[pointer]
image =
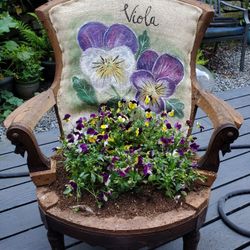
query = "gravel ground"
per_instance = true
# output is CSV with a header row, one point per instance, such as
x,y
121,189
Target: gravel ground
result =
x,y
224,65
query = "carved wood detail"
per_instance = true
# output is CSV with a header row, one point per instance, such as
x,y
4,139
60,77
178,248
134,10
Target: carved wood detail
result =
x,y
24,140
220,140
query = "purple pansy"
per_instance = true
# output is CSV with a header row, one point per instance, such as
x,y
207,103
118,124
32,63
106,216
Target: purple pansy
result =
x,y
194,147
124,172
73,185
177,125
106,178
156,78
71,138
147,169
83,148
108,53
91,131
66,117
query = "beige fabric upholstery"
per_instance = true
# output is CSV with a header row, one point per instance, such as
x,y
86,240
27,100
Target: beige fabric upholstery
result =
x,y
172,31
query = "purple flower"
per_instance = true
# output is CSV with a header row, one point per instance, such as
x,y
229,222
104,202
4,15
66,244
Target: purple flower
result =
x,y
99,138
70,138
166,141
73,185
168,125
66,117
106,178
156,78
180,151
194,147
177,125
79,126
108,53
83,148
147,169
92,115
98,35
122,173
140,160
91,131
194,164
115,159
182,141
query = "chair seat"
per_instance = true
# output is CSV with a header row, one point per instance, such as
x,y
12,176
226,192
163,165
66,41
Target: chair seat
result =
x,y
215,32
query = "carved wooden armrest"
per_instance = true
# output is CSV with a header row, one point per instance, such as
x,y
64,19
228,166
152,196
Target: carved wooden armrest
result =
x,y
20,124
226,122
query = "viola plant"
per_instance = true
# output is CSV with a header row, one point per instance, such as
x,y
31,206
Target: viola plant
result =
x,y
116,63
122,149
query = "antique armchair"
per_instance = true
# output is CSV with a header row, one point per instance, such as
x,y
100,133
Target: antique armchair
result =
x,y
231,22
147,45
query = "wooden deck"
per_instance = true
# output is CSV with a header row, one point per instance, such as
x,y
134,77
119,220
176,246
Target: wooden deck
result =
x,y
21,227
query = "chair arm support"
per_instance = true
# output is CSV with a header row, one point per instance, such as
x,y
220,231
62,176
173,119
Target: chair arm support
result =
x,y
233,6
226,122
20,126
218,111
245,11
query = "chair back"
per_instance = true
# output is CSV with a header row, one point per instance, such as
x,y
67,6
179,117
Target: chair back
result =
x,y
109,50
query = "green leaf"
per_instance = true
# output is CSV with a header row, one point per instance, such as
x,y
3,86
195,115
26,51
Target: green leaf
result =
x,y
10,45
144,43
93,178
176,105
6,23
113,102
15,101
85,91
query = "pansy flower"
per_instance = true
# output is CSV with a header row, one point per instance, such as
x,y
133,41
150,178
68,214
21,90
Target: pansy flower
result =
x,y
83,148
156,79
108,53
147,169
66,117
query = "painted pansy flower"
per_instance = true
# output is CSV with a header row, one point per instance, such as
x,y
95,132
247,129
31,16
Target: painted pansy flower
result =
x,y
108,53
156,79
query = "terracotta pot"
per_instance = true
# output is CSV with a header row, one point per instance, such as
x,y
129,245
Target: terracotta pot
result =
x,y
26,90
7,83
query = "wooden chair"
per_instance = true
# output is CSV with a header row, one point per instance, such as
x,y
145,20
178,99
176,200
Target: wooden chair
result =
x,y
231,22
156,41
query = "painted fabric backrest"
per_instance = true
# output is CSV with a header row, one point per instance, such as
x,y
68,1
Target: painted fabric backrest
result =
x,y
114,49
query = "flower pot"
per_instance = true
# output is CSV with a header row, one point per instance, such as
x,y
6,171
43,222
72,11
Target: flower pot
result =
x,y
26,89
48,70
7,83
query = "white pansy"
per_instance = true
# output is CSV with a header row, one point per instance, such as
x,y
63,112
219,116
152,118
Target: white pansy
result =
x,y
108,67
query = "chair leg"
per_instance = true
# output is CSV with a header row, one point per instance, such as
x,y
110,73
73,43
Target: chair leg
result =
x,y
56,240
243,51
191,240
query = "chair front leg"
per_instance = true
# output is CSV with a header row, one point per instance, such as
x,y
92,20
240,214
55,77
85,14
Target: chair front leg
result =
x,y
191,240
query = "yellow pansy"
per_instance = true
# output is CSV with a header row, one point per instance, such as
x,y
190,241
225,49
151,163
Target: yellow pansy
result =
x,y
132,105
148,114
171,113
92,139
164,128
121,119
126,147
104,126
